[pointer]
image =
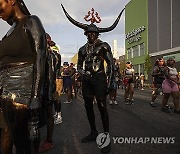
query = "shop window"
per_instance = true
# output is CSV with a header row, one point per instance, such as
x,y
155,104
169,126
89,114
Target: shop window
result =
x,y
142,49
135,51
129,54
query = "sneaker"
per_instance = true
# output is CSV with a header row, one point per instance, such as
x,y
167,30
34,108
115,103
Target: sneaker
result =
x,y
152,104
142,89
131,102
91,137
46,146
115,102
110,102
68,102
165,110
177,111
169,107
58,119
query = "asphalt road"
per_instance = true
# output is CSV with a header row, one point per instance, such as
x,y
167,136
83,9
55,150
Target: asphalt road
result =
x,y
140,121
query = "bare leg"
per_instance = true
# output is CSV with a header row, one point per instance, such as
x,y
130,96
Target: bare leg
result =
x,y
165,99
69,94
104,112
126,94
131,91
6,141
115,94
175,96
154,95
90,112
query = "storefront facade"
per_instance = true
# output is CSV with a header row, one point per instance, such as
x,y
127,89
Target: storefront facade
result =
x,y
152,27
136,29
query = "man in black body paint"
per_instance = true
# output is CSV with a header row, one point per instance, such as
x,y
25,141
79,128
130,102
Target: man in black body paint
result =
x,y
96,82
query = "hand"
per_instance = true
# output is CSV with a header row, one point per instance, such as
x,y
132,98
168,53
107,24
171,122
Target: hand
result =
x,y
87,75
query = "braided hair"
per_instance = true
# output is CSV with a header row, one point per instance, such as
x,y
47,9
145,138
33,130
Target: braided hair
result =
x,y
23,8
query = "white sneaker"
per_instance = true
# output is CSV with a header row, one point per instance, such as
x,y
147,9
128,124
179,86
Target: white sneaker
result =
x,y
68,102
131,102
115,102
58,119
110,102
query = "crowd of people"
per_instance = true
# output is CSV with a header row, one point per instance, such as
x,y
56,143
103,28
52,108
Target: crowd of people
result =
x,y
32,80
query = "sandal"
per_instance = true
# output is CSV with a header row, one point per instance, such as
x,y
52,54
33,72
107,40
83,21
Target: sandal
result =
x,y
46,146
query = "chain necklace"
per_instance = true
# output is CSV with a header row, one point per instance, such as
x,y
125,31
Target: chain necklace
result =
x,y
90,47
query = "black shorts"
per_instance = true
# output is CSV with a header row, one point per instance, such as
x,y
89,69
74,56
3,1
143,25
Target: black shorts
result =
x,y
130,81
96,86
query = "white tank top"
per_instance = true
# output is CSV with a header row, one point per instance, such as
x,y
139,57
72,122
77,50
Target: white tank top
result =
x,y
129,71
172,71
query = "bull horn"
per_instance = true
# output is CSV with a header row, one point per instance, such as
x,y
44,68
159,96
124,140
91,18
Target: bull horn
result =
x,y
76,23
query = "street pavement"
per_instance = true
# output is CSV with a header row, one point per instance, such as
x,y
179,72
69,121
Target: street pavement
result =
x,y
140,121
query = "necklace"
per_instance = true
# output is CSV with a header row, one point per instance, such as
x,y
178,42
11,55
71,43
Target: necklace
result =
x,y
90,47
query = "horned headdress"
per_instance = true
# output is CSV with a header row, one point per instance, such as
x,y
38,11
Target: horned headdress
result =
x,y
92,27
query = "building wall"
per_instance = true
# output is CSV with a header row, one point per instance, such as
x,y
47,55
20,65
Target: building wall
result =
x,y
176,23
162,33
152,26
115,49
163,23
135,18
